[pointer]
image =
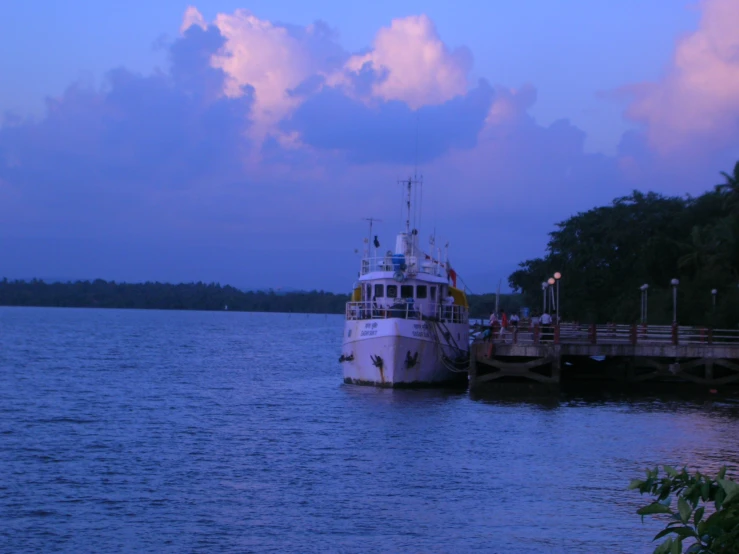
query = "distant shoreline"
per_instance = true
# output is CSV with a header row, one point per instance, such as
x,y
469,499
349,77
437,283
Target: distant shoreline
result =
x,y
211,297
165,296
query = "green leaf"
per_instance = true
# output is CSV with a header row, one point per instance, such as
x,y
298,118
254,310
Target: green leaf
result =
x,y
664,532
635,484
685,532
665,547
731,488
698,515
684,508
669,470
720,496
721,473
677,547
706,491
654,508
671,528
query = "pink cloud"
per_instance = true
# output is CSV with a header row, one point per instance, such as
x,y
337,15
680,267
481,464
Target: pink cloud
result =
x,y
417,67
192,17
696,104
271,59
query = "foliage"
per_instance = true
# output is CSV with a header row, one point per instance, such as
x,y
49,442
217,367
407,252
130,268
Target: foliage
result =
x,y
163,296
482,304
607,253
705,517
196,296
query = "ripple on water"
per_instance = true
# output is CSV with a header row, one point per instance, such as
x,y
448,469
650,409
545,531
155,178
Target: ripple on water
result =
x,y
178,431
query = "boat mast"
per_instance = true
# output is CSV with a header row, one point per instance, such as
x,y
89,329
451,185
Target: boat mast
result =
x,y
369,239
411,220
408,208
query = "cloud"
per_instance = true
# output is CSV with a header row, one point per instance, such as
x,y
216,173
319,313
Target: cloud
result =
x,y
412,63
386,130
192,17
696,104
269,59
408,63
272,135
510,106
104,156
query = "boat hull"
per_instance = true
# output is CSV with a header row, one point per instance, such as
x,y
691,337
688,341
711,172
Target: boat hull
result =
x,y
402,353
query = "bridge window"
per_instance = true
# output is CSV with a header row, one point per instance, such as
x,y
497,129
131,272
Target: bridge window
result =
x,y
421,291
368,294
392,291
406,291
433,293
379,291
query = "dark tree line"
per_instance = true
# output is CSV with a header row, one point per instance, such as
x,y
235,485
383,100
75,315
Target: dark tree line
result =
x,y
194,296
482,304
607,253
163,296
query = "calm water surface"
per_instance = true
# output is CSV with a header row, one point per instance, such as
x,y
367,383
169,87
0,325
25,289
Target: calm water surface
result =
x,y
134,431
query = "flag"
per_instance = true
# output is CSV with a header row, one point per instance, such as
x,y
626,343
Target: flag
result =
x,y
452,275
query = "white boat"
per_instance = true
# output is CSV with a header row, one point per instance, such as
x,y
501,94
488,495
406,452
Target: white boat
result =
x,y
407,323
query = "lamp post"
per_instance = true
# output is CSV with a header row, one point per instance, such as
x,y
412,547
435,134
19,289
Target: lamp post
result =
x,y
674,284
551,294
557,277
714,292
643,290
544,286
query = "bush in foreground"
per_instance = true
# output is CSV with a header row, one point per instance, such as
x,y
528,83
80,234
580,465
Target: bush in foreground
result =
x,y
705,518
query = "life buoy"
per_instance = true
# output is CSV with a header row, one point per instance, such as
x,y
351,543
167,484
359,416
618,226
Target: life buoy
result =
x,y
399,276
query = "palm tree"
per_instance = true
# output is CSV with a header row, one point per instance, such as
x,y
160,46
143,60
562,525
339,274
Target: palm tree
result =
x,y
730,188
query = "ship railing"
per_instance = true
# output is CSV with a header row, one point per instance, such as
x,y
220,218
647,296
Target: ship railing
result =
x,y
410,264
450,313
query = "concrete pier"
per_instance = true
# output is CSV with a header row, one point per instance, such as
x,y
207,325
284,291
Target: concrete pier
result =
x,y
625,353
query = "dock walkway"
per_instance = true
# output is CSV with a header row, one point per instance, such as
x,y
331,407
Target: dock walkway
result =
x,y
630,353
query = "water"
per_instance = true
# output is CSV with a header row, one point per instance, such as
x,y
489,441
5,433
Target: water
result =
x,y
145,431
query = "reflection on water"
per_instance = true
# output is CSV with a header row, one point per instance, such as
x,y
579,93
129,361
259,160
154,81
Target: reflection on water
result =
x,y
182,431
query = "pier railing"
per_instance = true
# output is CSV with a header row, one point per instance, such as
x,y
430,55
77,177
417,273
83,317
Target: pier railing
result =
x,y
406,310
610,333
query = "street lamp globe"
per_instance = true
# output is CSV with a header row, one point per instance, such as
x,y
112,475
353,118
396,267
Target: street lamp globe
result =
x,y
558,275
714,292
551,281
544,285
674,282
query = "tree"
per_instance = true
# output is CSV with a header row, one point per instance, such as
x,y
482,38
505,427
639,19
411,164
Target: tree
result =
x,y
730,188
607,253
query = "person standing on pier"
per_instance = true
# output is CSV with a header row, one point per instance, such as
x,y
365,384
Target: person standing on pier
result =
x,y
514,322
546,326
503,324
494,324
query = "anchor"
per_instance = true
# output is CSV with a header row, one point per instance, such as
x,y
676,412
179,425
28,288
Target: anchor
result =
x,y
377,361
410,361
348,358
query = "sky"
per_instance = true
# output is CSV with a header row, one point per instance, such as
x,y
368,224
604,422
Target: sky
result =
x,y
245,142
